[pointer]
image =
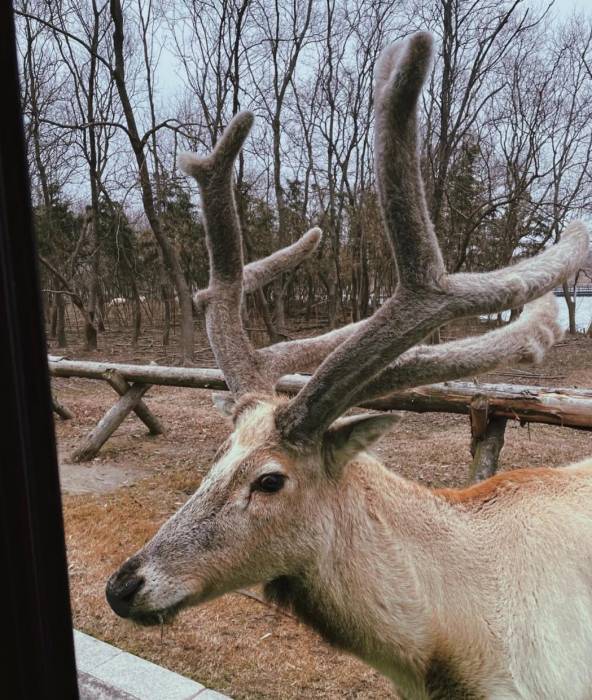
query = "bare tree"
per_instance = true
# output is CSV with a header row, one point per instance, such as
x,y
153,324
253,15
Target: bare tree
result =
x,y
505,139
284,34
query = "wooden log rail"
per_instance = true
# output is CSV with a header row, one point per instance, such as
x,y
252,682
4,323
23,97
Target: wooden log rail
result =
x,y
571,408
488,405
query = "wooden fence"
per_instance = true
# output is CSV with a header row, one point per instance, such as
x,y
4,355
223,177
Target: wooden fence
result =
x,y
488,405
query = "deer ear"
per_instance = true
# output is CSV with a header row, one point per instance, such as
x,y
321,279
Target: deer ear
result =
x,y
349,436
224,403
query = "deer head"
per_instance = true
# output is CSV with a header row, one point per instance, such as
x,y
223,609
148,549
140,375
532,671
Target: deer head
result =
x,y
268,507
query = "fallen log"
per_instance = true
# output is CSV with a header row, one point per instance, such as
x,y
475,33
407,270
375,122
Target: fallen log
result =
x,y
571,408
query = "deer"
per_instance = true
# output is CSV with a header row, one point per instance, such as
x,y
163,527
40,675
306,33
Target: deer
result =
x,y
483,591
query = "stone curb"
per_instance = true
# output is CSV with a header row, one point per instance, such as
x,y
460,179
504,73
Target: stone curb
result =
x,y
108,673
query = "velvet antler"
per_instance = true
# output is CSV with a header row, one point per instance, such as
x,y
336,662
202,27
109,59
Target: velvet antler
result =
x,y
229,278
370,358
426,297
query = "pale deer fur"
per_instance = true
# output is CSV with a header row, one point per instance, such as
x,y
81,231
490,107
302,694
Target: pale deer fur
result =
x,y
482,592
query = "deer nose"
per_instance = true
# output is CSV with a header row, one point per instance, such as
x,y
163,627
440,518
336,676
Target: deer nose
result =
x,y
122,588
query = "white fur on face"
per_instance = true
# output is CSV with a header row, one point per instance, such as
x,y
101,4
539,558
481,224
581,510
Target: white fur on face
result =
x,y
220,536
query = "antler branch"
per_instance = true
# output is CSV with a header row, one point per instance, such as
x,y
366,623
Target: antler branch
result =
x,y
259,273
426,297
525,340
400,73
243,369
215,176
232,349
511,287
305,354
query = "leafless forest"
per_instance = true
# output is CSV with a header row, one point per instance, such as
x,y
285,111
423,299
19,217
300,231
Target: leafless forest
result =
x,y
114,90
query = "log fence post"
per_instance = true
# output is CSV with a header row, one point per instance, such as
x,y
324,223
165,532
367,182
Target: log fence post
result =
x,y
487,439
61,410
117,382
109,423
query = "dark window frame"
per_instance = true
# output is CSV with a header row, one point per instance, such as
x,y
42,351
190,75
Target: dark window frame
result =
x,y
37,622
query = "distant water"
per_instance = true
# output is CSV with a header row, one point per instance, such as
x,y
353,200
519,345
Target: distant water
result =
x,y
583,313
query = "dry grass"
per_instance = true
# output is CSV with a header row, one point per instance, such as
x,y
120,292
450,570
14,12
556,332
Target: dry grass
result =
x,y
236,644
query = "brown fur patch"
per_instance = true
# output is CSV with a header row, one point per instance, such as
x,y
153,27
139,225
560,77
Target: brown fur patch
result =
x,y
444,683
478,495
294,594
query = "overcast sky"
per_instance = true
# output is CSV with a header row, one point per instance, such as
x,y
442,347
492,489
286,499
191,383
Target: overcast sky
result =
x,y
567,6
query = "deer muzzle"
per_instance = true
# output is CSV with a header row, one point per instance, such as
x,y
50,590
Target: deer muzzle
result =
x,y
123,587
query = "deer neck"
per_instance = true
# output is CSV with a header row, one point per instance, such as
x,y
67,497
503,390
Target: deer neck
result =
x,y
386,583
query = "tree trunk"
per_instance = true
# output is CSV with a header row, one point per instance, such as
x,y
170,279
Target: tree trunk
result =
x,y
90,326
571,307
169,254
136,311
166,320
275,336
53,317
309,296
434,337
356,269
364,293
61,321
331,291
100,310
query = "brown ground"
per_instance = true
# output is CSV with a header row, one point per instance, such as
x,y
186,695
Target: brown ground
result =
x,y
235,644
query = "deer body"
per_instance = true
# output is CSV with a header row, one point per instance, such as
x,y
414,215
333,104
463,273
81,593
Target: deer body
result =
x,y
483,592
425,609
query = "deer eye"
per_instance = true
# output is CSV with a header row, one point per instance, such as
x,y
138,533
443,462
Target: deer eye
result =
x,y
270,483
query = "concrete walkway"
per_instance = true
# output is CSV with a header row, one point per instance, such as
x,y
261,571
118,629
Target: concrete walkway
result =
x,y
108,673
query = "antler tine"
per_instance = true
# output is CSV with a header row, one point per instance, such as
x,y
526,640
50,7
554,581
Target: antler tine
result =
x,y
511,287
305,354
525,340
234,353
400,74
214,174
260,272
